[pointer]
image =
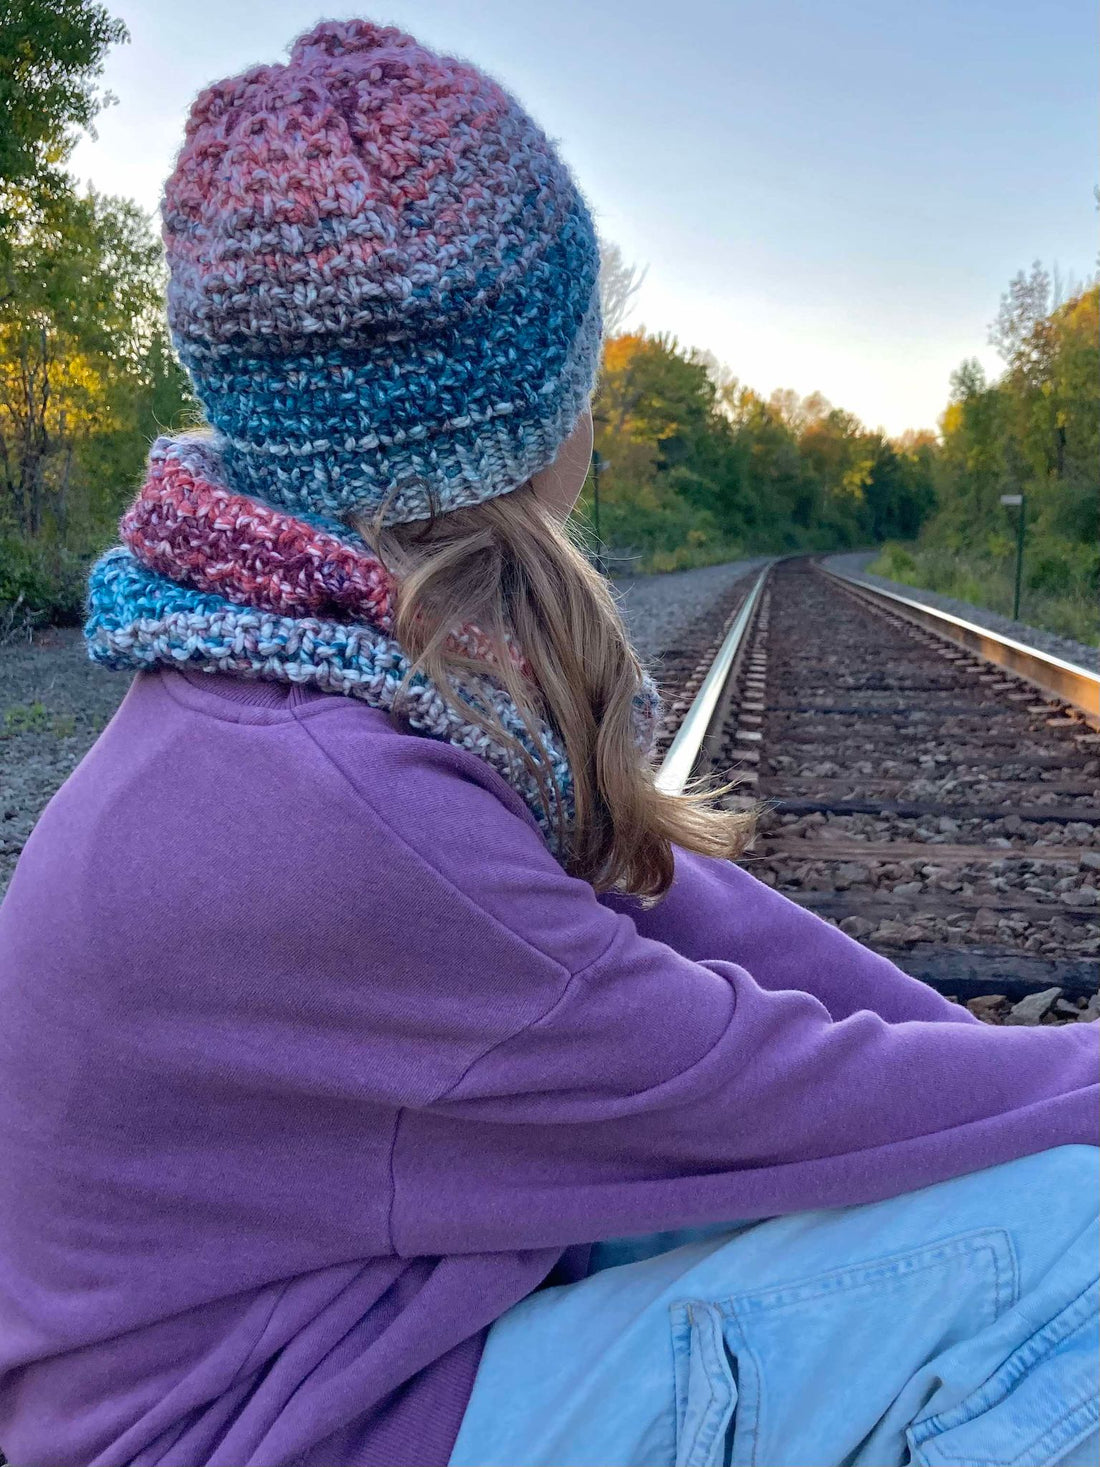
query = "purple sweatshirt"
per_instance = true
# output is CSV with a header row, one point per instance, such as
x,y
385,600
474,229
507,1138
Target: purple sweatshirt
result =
x,y
313,1062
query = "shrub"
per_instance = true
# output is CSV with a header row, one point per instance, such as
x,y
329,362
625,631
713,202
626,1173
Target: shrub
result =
x,y
894,562
46,581
1060,582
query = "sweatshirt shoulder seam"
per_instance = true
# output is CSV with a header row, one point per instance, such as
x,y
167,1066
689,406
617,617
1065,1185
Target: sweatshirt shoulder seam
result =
x,y
448,1090
397,835
567,990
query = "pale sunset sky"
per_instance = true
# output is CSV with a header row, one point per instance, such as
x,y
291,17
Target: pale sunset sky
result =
x,y
828,195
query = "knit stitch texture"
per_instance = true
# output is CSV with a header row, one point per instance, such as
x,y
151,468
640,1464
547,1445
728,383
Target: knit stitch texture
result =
x,y
213,579
383,279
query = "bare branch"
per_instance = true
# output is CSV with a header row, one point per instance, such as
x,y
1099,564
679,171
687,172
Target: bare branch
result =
x,y
619,284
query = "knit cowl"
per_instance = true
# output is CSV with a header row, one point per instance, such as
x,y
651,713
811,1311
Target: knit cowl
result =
x,y
212,579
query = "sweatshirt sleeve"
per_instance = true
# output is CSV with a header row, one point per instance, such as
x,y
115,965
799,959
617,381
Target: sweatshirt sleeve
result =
x,y
662,1093
592,1082
716,910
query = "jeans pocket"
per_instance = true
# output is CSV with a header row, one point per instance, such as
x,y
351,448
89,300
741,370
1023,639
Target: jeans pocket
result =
x,y
802,1373
1033,1409
706,1389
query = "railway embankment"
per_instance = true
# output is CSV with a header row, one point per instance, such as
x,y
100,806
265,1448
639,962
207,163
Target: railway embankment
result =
x,y
854,563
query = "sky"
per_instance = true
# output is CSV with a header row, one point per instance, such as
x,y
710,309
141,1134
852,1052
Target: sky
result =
x,y
829,195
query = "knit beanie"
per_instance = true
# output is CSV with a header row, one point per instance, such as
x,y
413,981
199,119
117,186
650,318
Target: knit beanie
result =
x,y
383,280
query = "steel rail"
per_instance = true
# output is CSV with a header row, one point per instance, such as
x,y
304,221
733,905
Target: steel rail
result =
x,y
1066,680
683,752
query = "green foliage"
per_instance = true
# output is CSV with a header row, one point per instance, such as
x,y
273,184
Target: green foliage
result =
x,y
87,373
87,378
51,60
701,469
84,356
1035,431
895,563
43,578
1059,582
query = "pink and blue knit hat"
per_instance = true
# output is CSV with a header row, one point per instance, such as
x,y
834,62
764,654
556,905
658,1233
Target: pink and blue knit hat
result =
x,y
383,280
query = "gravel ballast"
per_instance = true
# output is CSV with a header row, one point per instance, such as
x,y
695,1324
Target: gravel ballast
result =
x,y
854,564
658,609
54,702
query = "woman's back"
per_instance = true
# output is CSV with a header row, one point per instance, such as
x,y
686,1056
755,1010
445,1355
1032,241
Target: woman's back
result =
x,y
315,1062
213,964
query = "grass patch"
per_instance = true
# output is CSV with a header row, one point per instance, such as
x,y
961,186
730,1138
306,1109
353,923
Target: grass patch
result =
x,y
36,718
1058,592
690,557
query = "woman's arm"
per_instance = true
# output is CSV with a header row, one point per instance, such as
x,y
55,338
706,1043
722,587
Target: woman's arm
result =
x,y
717,911
659,1093
562,1078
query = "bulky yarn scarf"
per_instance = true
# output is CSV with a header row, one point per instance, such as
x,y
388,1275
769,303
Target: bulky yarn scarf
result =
x,y
210,578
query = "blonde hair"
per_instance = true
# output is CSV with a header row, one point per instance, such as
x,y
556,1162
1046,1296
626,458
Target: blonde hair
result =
x,y
508,567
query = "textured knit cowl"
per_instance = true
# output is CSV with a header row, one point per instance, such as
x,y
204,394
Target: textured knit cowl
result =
x,y
216,580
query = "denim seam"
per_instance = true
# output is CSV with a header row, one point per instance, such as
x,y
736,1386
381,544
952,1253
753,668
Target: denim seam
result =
x,y
1038,1445
1032,1350
708,1429
946,1251
680,1339
1087,1405
760,1389
1068,1319
684,1313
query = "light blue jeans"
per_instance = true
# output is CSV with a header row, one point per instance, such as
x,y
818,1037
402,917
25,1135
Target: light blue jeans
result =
x,y
954,1326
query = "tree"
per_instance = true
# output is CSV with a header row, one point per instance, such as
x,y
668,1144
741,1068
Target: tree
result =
x,y
51,61
654,414
1075,397
619,284
83,353
1020,330
967,380
1034,430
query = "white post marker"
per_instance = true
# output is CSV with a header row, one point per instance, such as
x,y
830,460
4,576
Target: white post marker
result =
x,y
1017,499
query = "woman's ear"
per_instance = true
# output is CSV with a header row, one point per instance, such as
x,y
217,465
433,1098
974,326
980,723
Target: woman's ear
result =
x,y
559,484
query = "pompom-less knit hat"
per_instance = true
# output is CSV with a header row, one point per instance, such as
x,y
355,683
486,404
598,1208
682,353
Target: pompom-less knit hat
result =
x,y
383,280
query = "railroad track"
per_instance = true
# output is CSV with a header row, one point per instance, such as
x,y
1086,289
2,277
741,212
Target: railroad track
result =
x,y
939,803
